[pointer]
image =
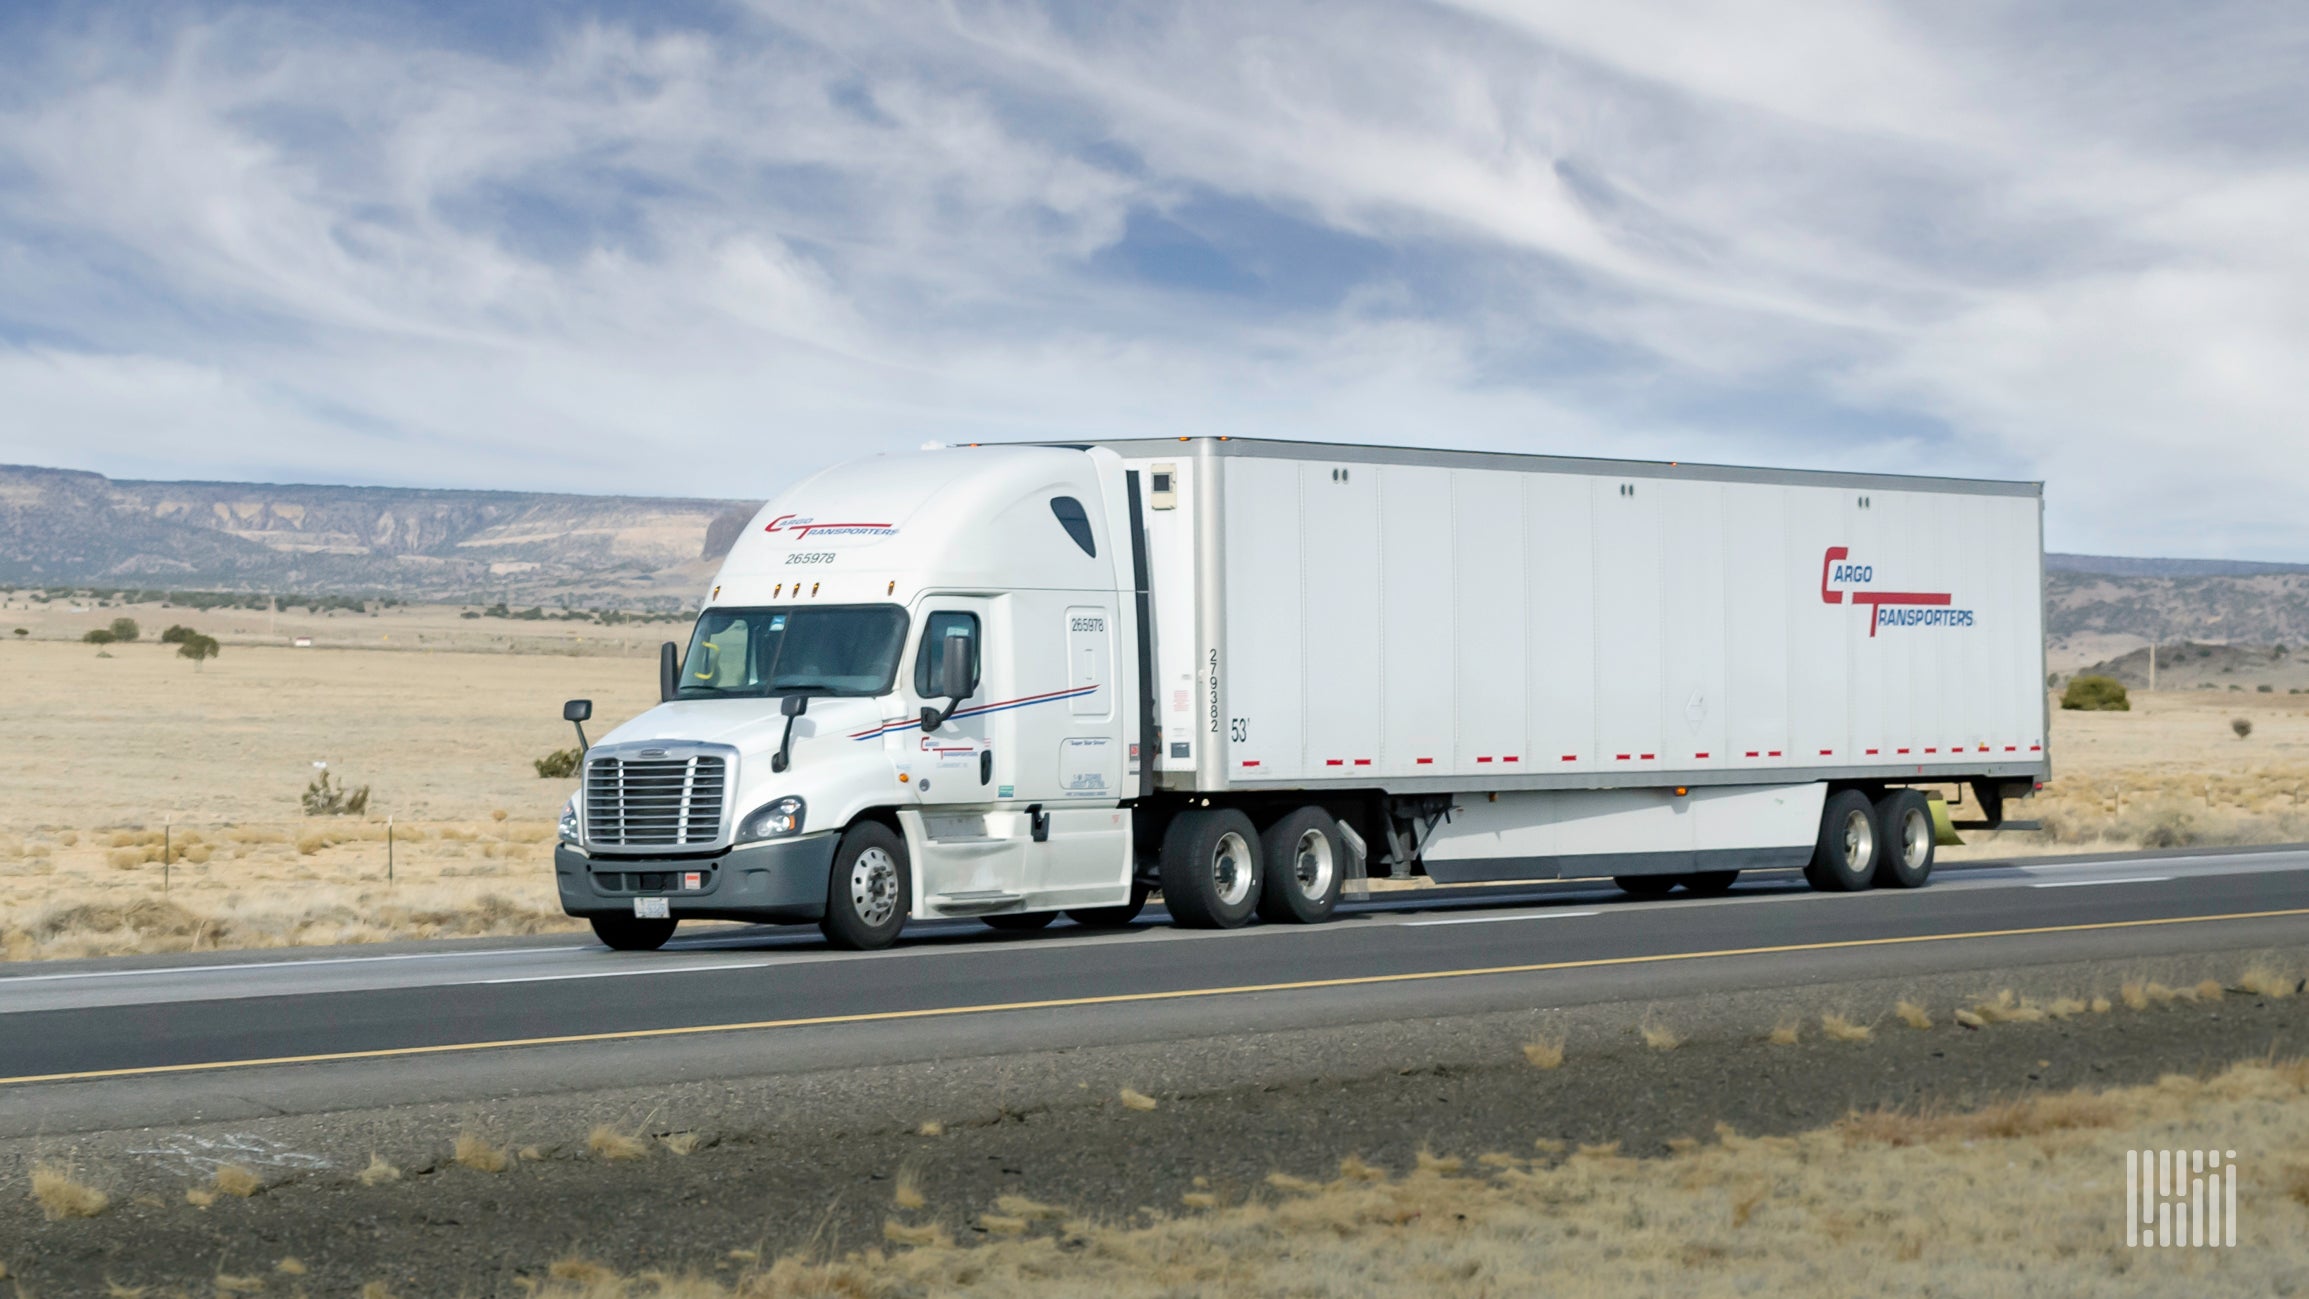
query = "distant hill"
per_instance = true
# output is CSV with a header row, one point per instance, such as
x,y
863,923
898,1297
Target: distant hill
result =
x,y
2268,609
2126,566
60,527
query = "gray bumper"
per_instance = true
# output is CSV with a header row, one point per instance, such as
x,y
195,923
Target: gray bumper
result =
x,y
782,882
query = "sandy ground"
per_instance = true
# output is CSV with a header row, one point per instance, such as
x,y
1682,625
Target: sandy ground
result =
x,y
111,753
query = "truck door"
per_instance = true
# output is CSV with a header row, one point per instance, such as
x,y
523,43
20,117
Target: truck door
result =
x,y
1083,855
960,853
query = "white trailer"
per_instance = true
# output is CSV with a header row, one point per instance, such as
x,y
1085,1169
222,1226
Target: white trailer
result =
x,y
1009,682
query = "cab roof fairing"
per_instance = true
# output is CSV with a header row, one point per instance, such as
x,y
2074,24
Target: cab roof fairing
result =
x,y
961,519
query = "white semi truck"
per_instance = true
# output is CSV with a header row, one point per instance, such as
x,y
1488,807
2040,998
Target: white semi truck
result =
x,y
1010,682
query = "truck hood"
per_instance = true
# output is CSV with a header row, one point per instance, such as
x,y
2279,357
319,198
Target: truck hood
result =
x,y
754,726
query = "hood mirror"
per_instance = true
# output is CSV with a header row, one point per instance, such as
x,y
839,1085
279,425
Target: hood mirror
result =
x,y
793,706
577,712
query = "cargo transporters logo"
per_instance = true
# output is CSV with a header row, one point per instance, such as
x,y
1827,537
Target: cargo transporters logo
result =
x,y
802,527
1840,578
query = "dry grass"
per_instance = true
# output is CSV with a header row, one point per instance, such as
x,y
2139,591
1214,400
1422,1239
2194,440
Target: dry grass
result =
x,y
61,1195
1659,1037
1841,1029
478,1153
609,1143
907,1194
1913,1015
2006,1199
1787,1032
379,1172
2004,1008
931,1128
1544,1053
682,1143
290,1267
237,1180
1136,1100
2261,981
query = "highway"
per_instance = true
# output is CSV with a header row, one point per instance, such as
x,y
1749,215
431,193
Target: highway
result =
x,y
557,1012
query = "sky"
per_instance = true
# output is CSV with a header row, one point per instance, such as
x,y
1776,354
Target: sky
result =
x,y
701,248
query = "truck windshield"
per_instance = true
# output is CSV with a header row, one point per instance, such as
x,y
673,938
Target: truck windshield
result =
x,y
826,650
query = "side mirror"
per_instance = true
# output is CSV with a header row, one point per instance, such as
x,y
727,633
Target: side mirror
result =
x,y
954,668
794,705
668,672
576,712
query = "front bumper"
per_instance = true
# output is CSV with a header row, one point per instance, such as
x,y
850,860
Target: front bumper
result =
x,y
779,882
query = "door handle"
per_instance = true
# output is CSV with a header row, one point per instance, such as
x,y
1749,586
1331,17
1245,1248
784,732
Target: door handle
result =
x,y
985,766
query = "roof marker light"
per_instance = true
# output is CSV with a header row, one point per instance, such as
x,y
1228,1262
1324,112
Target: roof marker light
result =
x,y
891,589
813,590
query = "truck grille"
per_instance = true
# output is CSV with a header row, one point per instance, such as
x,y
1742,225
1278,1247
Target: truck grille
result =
x,y
654,802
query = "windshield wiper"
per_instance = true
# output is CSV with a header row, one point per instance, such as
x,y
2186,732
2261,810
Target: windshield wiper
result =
x,y
800,688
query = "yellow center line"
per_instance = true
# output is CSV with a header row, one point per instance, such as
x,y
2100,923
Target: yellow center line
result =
x,y
1121,998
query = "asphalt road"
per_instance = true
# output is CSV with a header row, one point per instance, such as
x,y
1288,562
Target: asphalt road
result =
x,y
766,999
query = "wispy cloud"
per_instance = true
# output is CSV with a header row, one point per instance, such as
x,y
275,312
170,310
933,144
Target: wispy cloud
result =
x,y
703,252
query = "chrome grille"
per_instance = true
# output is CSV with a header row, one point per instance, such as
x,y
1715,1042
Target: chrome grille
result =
x,y
665,802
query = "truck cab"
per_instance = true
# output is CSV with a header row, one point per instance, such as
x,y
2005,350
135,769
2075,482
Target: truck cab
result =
x,y
908,693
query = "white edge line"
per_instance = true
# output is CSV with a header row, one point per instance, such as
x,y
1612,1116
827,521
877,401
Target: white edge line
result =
x,y
2082,884
1486,920
227,967
619,974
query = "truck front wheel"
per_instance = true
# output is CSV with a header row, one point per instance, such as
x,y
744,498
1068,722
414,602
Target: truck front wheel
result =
x,y
626,934
1844,859
1302,868
867,891
1210,868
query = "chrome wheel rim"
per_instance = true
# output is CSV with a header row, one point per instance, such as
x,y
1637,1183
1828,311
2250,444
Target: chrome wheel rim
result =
x,y
1311,865
1231,869
1859,842
874,887
1915,838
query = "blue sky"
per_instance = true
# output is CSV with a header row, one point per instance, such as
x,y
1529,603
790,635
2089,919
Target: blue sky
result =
x,y
701,248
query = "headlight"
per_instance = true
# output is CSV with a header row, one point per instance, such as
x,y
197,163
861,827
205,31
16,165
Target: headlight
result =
x,y
569,821
775,821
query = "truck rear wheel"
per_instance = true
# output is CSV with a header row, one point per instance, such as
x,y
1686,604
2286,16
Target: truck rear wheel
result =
x,y
627,934
1844,859
1709,883
1303,872
1210,868
867,890
1909,840
1645,886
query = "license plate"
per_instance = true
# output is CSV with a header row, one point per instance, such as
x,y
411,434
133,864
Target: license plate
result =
x,y
650,909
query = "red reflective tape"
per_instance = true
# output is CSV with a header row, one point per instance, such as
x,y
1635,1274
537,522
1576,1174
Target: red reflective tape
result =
x,y
2036,748
1699,755
1902,750
1334,762
1931,750
1872,751
1775,753
1571,757
1423,761
1827,753
1510,758
1624,756
1483,759
1362,762
2012,748
1753,754
1648,757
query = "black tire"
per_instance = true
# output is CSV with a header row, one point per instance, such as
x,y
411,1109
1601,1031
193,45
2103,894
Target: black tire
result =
x,y
1021,921
1114,917
1709,883
1645,886
1844,858
1210,868
628,934
868,890
1304,868
1910,841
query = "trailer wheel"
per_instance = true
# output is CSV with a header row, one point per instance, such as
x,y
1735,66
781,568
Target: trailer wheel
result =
x,y
1021,921
1709,883
626,934
1844,859
1645,886
1909,841
1114,917
1303,869
1210,868
867,891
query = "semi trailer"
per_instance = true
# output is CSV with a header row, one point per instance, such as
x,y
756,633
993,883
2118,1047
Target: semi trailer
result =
x,y
1012,682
